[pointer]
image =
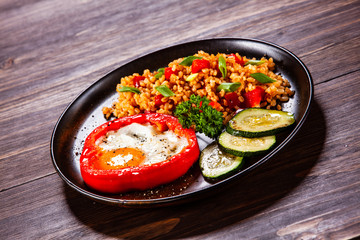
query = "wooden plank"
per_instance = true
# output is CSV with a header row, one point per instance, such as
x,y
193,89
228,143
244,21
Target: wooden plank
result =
x,y
51,51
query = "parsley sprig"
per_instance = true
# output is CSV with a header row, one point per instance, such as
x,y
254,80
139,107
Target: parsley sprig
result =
x,y
199,114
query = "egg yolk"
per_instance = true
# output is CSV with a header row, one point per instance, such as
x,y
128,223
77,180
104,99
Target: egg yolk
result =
x,y
119,158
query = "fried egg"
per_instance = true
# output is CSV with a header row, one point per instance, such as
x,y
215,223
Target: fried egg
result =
x,y
136,145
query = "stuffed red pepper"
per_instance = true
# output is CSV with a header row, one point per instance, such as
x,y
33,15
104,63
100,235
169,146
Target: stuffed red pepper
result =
x,y
137,153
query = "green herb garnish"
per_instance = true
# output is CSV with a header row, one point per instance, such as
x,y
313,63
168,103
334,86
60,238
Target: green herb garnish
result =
x,y
228,87
254,62
188,60
222,66
192,77
262,78
128,89
160,73
164,90
197,112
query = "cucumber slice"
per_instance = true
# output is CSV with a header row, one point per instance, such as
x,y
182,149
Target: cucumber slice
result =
x,y
216,164
258,122
245,147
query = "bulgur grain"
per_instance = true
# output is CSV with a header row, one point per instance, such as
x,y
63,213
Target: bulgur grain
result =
x,y
205,84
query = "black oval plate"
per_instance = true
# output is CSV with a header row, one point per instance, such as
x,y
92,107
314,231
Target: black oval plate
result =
x,y
84,114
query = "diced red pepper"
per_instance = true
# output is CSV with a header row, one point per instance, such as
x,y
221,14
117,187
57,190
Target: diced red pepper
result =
x,y
137,177
215,105
232,99
254,97
237,59
169,71
158,100
199,64
137,79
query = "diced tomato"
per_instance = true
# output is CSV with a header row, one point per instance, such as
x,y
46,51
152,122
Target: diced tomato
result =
x,y
137,79
169,71
237,59
232,99
158,100
199,64
254,97
215,105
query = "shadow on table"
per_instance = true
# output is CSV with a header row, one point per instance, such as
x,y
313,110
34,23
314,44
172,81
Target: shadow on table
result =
x,y
238,202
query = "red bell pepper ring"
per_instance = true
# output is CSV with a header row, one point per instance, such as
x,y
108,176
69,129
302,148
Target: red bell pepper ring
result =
x,y
232,100
253,98
237,59
137,79
199,64
168,72
140,177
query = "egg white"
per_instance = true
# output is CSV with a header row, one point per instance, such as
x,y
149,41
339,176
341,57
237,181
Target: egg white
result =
x,y
157,146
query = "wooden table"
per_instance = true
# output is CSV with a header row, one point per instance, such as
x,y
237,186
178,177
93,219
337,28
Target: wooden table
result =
x,y
50,51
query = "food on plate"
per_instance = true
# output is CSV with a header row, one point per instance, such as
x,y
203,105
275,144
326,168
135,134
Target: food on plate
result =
x,y
137,153
229,81
153,140
245,147
216,164
257,122
201,114
249,133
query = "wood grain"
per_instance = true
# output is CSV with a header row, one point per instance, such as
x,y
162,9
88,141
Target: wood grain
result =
x,y
50,51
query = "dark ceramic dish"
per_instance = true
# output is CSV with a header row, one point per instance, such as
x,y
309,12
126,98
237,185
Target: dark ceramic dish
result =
x,y
84,114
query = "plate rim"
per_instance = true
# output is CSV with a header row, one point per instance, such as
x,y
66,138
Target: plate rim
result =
x,y
183,196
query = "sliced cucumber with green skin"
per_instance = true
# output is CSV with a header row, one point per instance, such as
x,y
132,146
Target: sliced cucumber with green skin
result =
x,y
245,147
258,122
216,164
